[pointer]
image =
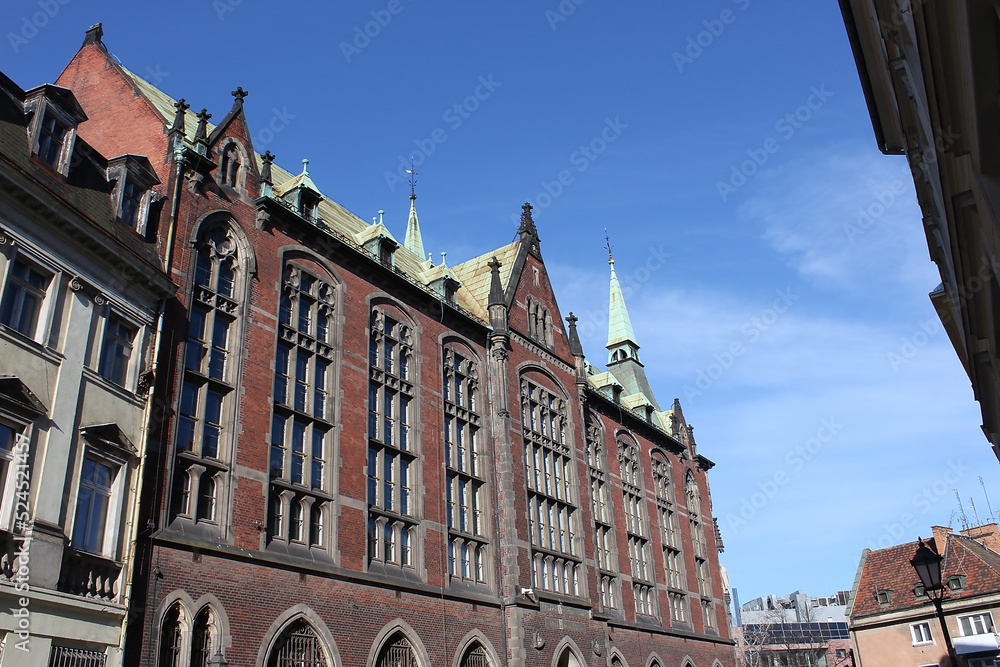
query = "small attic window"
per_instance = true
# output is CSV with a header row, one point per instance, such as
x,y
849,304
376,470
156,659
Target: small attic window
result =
x,y
956,582
53,115
884,596
51,134
133,178
918,591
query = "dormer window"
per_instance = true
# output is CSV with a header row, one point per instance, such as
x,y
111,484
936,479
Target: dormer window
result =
x,y
133,179
53,115
309,209
50,140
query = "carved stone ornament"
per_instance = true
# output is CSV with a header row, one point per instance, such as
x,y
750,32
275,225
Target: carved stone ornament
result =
x,y
596,644
194,181
538,641
500,354
220,242
263,219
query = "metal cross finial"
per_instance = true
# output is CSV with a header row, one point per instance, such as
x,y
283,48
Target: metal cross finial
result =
x,y
413,178
608,245
239,93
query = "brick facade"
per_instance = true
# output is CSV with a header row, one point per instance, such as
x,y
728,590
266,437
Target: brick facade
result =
x,y
257,584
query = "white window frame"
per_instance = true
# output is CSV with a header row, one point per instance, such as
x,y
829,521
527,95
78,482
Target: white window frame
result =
x,y
9,483
116,501
97,348
43,319
917,641
43,107
983,614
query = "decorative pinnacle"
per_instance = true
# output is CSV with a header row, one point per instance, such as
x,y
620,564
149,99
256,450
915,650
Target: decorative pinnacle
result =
x,y
239,93
265,171
202,132
181,105
305,165
607,242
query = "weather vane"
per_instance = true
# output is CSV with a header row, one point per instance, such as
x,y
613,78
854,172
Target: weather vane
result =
x,y
413,178
608,245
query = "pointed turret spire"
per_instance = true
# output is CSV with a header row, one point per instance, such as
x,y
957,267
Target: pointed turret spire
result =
x,y
619,323
623,350
413,240
528,232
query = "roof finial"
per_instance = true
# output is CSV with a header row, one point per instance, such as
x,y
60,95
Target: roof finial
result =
x,y
305,165
607,244
239,93
413,179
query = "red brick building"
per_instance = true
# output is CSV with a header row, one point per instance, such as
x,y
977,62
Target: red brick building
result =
x,y
368,459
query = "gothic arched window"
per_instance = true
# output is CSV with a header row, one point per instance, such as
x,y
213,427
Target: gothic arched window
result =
x,y
212,357
302,416
465,486
397,653
298,646
171,637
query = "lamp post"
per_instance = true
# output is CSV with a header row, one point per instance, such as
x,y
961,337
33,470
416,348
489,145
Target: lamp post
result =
x,y
927,563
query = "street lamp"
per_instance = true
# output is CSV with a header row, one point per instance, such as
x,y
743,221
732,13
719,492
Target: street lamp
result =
x,y
927,563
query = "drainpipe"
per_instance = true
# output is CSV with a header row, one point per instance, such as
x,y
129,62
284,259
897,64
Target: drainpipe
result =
x,y
147,413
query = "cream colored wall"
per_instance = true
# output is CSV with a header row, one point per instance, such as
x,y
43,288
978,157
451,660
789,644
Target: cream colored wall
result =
x,y
892,646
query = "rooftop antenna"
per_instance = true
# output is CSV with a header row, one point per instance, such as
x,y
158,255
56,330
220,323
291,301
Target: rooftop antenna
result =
x,y
607,244
413,179
961,511
973,505
951,519
982,484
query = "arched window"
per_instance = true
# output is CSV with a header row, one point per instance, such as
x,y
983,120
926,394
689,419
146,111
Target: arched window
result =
x,y
392,460
701,563
569,659
202,648
636,526
604,532
212,355
465,488
397,652
298,646
475,656
669,526
170,638
552,517
302,414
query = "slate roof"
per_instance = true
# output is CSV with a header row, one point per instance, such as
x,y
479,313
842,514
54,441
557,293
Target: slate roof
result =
x,y
890,569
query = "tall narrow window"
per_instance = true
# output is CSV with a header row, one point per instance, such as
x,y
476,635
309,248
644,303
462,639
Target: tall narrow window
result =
x,y
93,503
209,378
50,140
465,489
391,460
636,526
302,420
552,517
170,638
604,537
116,349
23,296
202,649
673,561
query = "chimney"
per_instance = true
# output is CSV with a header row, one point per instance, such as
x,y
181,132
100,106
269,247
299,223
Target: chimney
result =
x,y
987,534
941,534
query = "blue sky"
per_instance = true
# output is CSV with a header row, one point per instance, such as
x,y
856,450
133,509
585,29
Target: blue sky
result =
x,y
796,332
